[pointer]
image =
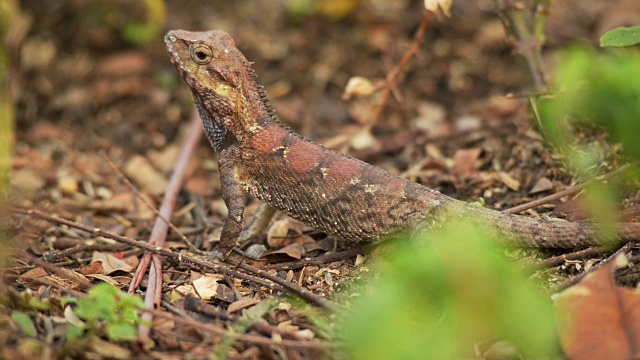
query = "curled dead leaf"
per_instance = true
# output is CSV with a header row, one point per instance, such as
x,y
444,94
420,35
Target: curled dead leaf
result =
x,y
277,233
358,86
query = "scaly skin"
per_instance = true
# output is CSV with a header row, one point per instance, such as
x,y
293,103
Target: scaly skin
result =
x,y
321,187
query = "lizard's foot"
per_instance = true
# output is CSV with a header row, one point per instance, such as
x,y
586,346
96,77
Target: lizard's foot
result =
x,y
215,256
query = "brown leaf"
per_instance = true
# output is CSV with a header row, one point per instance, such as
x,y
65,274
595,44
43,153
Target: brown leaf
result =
x,y
277,233
573,209
241,304
291,251
465,162
110,263
599,320
207,286
311,247
94,267
140,169
511,183
543,184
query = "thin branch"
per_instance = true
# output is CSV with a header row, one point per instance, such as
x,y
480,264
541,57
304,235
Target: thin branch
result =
x,y
393,75
184,257
566,192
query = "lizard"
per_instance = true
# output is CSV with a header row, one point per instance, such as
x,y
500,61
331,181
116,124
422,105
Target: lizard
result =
x,y
321,187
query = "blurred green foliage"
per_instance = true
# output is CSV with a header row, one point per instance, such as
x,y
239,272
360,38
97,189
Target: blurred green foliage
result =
x,y
141,33
335,10
601,89
598,91
24,322
107,310
622,36
436,300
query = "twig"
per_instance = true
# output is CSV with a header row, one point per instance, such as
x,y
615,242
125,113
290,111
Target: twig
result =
x,y
524,33
253,339
393,75
159,232
133,189
320,260
296,290
561,259
185,257
62,272
566,192
574,280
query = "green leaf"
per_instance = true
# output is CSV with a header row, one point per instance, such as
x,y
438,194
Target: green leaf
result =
x,y
74,332
121,331
25,323
622,36
438,299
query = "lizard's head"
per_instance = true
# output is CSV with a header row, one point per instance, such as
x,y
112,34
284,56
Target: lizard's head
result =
x,y
220,78
206,58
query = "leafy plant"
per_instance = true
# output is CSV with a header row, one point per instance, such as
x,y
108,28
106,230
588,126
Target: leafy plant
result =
x,y
622,36
106,309
141,33
436,300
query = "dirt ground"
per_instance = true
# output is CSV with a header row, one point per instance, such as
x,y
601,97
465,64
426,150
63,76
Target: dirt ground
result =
x,y
83,89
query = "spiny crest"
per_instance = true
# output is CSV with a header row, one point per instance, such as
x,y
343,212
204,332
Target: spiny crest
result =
x,y
264,97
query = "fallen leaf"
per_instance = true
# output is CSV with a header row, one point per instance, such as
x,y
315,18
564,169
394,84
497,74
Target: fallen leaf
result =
x,y
241,304
599,320
140,169
436,5
291,251
465,162
543,184
573,209
207,286
511,183
68,184
94,267
357,86
277,233
110,263
109,350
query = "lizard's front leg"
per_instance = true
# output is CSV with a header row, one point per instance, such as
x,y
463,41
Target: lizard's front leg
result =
x,y
233,199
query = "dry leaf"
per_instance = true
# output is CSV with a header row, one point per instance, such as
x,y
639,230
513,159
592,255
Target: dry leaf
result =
x,y
599,320
511,183
435,5
465,162
573,209
207,286
358,86
241,304
139,169
277,233
543,184
291,251
110,263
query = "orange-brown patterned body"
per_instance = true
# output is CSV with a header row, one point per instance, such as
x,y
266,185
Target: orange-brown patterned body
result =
x,y
323,188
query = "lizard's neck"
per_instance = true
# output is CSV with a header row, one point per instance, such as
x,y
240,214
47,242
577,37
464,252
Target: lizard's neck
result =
x,y
248,110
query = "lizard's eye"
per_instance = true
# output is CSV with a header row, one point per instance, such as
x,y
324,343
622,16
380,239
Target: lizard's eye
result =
x,y
201,54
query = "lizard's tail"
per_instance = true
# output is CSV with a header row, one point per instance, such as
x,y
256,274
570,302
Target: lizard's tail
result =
x,y
629,231
548,233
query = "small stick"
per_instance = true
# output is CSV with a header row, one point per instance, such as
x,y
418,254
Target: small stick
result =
x,y
566,192
393,75
257,340
222,268
320,260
